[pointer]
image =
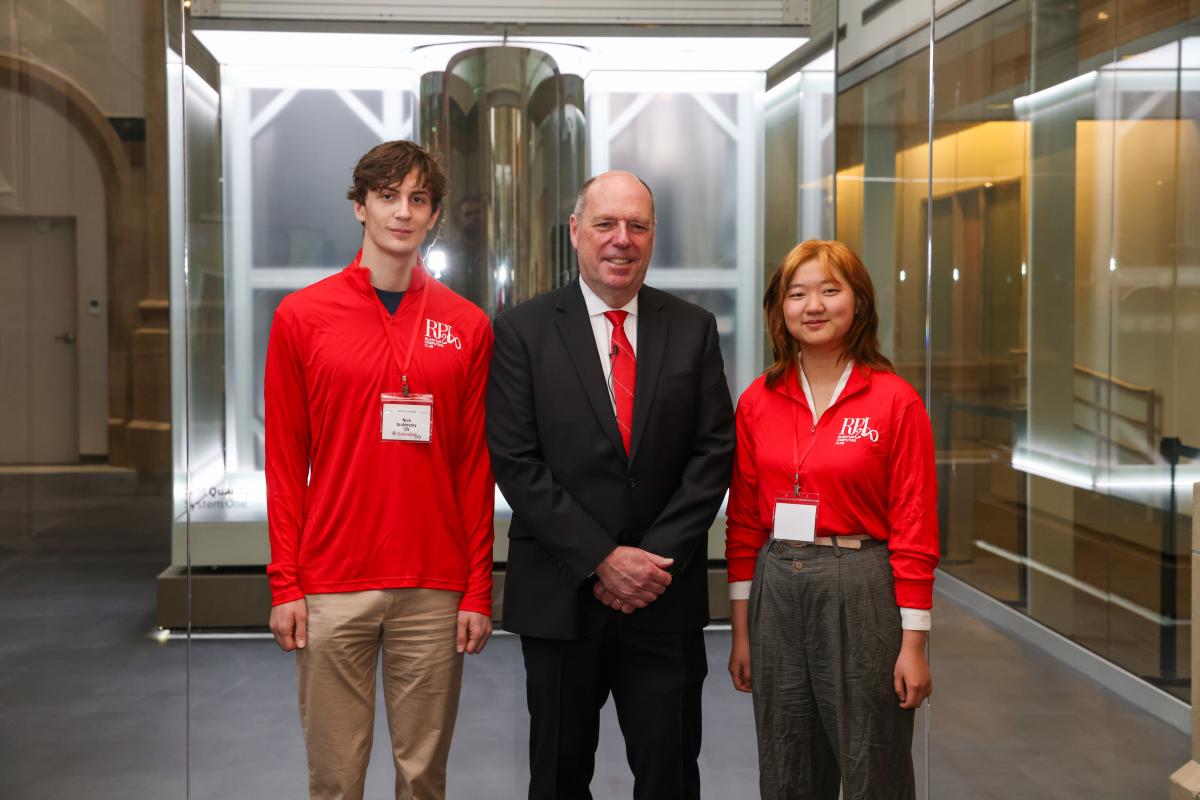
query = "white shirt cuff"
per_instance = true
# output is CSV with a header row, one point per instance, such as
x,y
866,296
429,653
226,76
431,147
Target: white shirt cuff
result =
x,y
915,619
739,590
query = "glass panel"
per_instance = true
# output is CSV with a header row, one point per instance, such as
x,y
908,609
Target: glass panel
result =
x,y
798,158
723,304
291,151
265,302
1141,127
707,231
977,318
882,204
1058,332
663,143
882,179
298,222
261,98
85,470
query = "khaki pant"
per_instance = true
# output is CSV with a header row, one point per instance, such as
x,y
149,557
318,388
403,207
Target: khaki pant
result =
x,y
422,674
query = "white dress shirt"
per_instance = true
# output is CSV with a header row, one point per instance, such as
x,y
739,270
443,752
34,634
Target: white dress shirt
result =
x,y
602,330
911,619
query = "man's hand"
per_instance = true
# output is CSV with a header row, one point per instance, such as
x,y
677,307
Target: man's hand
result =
x,y
635,576
289,624
913,682
601,593
474,630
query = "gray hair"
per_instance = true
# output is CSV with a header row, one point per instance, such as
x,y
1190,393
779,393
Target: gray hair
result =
x,y
581,195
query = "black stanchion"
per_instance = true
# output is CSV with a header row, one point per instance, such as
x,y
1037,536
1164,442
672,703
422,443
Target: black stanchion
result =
x,y
1172,450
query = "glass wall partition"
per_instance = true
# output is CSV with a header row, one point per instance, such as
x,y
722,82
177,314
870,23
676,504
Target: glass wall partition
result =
x,y
1025,228
798,121
660,125
92,698
882,185
1058,321
1032,261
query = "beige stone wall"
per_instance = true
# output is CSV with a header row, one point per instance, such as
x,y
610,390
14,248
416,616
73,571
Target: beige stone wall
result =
x,y
51,172
96,43
68,69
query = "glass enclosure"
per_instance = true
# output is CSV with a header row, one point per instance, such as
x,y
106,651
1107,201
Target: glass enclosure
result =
x,y
1031,247
93,700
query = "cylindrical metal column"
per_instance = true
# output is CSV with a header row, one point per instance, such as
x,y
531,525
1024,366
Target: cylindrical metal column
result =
x,y
510,130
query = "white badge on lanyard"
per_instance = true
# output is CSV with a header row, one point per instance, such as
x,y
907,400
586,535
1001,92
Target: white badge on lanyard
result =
x,y
406,417
796,517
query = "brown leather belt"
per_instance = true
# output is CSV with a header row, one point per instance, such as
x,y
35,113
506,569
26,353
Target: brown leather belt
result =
x,y
850,542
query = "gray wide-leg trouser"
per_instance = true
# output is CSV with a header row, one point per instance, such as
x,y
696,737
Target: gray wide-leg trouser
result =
x,y
824,637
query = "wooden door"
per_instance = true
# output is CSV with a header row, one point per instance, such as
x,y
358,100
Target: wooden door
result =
x,y
39,399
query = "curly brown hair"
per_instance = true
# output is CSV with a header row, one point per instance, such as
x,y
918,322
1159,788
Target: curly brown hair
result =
x,y
390,163
838,261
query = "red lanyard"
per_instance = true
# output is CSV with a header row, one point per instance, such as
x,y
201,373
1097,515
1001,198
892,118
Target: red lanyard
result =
x,y
404,364
796,457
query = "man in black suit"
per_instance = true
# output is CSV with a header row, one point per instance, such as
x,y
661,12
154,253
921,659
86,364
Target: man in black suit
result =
x,y
611,434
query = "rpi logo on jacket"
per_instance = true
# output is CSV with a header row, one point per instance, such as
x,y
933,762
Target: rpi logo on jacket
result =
x,y
439,334
855,428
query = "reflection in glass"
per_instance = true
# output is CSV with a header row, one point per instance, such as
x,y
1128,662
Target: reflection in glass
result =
x,y
1059,307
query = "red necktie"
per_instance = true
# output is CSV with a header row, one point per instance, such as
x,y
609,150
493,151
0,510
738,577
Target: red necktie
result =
x,y
624,374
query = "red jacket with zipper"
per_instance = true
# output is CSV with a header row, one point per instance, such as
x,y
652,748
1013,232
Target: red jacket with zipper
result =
x,y
347,511
871,462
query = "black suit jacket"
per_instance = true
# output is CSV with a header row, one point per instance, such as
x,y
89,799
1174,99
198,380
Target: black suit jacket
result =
x,y
559,460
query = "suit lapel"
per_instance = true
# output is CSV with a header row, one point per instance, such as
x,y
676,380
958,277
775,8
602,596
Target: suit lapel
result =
x,y
652,327
576,331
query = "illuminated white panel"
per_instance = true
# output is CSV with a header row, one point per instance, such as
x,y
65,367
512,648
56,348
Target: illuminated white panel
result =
x,y
577,55
626,12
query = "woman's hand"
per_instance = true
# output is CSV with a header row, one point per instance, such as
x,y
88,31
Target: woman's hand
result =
x,y
739,651
913,681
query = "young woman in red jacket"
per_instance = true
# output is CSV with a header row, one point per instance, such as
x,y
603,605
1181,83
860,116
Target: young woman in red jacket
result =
x,y
831,541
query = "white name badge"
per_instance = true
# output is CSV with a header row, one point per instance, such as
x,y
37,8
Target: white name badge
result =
x,y
796,517
407,418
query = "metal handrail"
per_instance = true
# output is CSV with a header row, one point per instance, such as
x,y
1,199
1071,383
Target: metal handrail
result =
x,y
1147,394
1095,373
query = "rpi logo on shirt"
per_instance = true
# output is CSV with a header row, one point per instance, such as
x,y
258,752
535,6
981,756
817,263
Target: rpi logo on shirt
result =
x,y
855,428
439,334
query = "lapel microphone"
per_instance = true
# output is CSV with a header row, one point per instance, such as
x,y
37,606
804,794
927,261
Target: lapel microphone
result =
x,y
615,350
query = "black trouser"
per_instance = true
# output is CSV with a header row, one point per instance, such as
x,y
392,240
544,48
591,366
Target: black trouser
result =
x,y
824,637
655,680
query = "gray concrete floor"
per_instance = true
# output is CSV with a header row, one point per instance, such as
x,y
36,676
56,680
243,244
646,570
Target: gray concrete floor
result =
x,y
92,706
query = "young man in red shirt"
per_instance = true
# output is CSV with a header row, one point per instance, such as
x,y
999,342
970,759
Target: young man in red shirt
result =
x,y
379,490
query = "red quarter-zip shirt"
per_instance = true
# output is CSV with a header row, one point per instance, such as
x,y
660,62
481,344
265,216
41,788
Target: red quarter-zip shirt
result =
x,y
347,510
871,462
